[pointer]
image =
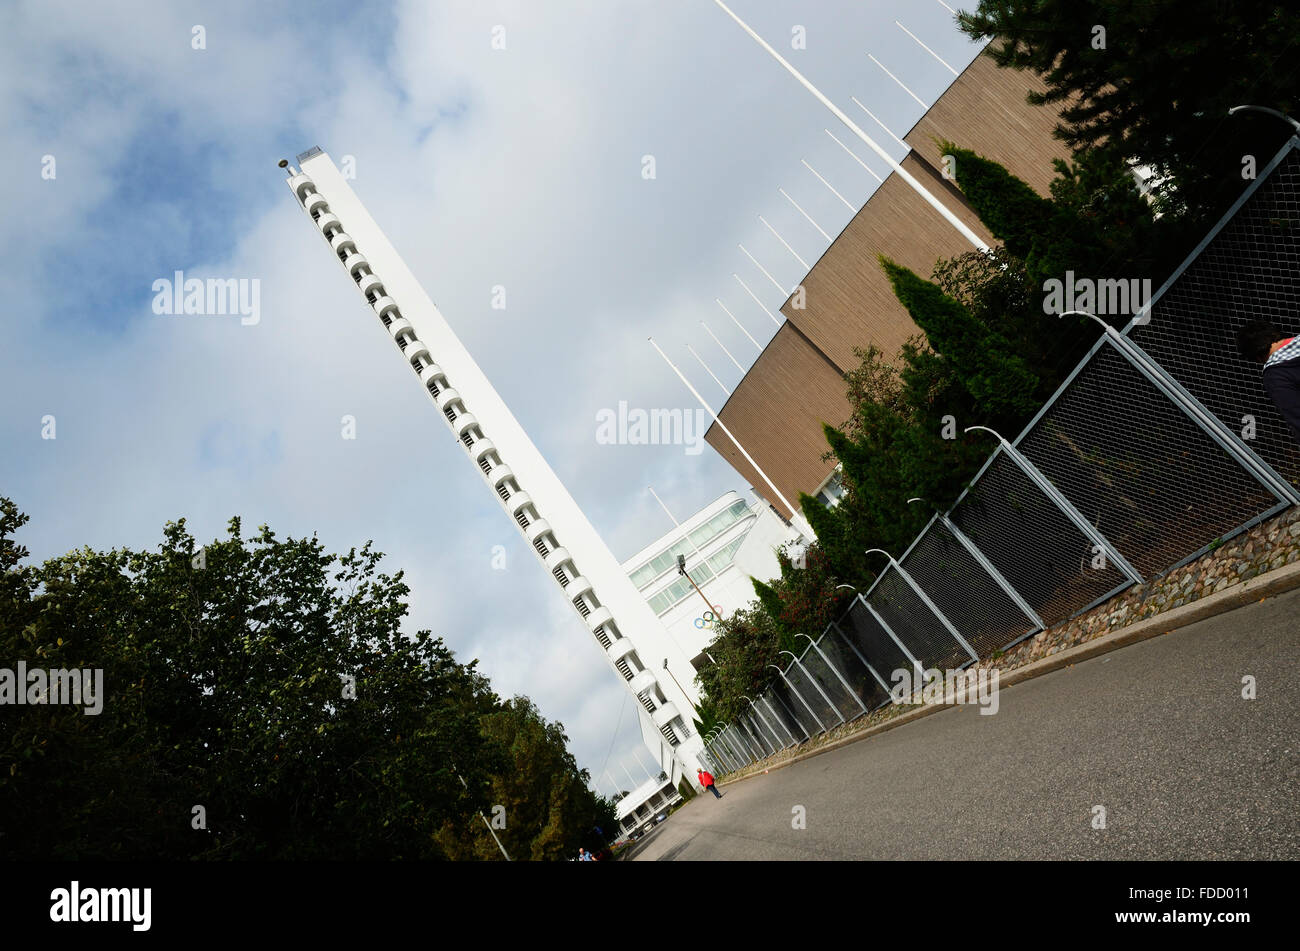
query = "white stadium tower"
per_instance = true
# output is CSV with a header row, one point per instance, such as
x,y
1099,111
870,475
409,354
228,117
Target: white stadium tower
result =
x,y
585,571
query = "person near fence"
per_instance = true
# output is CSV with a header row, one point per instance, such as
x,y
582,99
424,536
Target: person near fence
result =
x,y
1261,342
706,780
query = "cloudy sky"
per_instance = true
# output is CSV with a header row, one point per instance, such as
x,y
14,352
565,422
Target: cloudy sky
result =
x,y
131,154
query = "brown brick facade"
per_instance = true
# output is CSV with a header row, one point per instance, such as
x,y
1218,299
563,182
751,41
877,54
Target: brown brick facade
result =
x,y
797,383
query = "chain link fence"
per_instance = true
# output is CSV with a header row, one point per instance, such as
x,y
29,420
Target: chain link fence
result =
x,y
1248,267
1158,447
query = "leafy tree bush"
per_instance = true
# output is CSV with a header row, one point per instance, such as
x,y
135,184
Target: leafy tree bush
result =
x,y
1000,383
746,642
541,796
803,600
225,682
1096,224
1156,87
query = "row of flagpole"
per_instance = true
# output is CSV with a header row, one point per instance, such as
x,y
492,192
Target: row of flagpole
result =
x,y
795,516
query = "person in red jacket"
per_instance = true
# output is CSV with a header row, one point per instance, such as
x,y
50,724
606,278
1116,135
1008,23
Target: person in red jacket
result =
x,y
706,780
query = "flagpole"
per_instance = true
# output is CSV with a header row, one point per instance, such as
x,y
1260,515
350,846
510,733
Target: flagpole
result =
x,y
796,518
902,173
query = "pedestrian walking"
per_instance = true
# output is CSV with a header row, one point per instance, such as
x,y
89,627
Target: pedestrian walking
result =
x,y
706,780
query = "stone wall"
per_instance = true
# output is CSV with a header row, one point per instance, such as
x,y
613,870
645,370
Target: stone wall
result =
x,y
1270,544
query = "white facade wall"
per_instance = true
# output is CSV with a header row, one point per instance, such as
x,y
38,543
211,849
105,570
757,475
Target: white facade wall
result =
x,y
760,532
500,448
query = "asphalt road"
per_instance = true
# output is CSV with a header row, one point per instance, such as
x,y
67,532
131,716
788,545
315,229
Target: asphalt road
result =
x,y
1158,733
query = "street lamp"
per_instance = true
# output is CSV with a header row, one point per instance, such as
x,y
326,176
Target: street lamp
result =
x,y
680,687
681,570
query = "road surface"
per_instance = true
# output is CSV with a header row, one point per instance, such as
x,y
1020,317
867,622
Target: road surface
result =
x,y
1157,733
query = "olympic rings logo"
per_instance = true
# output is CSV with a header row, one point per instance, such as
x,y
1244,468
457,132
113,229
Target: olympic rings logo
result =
x,y
709,620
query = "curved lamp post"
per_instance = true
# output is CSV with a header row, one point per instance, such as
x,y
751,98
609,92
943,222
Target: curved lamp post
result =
x,y
1267,111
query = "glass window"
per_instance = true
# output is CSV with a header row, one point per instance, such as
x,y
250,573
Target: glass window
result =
x,y
667,559
832,491
721,560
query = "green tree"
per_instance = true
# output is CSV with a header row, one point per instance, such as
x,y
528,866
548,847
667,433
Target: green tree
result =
x,y
1096,224
542,808
1156,85
269,683
996,288
983,360
708,716
746,642
802,600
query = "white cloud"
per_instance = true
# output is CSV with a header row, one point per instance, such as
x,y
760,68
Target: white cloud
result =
x,y
519,167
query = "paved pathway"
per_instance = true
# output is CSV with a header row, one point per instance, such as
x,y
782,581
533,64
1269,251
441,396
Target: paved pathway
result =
x,y
1157,733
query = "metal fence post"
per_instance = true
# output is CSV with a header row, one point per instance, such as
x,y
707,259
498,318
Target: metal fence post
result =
x,y
760,738
993,572
720,744
852,693
1066,507
710,755
733,753
776,739
746,741
713,759
711,762
794,690
928,603
1227,439
724,751
917,668
743,754
789,709
818,687
771,709
854,647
